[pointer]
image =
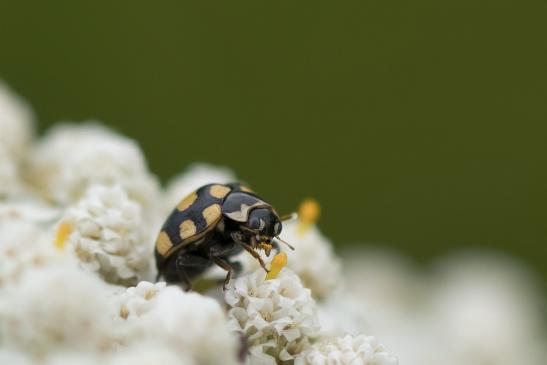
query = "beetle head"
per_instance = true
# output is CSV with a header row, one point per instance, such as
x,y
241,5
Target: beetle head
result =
x,y
265,225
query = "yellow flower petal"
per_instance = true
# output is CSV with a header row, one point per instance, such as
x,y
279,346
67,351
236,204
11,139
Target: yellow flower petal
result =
x,y
308,213
63,231
278,262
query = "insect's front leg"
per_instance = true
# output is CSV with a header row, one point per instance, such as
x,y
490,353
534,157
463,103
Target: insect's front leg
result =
x,y
237,239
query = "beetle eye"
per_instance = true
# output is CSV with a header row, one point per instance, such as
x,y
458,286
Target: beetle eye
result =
x,y
253,223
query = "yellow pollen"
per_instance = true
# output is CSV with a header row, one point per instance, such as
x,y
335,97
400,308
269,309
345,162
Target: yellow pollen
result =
x,y
266,247
124,312
63,231
308,213
278,262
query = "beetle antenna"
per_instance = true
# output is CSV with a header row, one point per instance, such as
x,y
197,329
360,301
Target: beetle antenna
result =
x,y
288,245
289,217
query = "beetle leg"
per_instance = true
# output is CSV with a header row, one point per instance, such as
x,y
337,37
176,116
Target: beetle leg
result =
x,y
226,266
250,250
255,254
184,278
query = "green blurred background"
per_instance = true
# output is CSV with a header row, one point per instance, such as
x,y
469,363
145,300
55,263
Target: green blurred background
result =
x,y
420,124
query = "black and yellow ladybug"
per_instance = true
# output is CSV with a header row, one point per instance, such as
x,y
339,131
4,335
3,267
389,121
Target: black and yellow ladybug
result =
x,y
211,225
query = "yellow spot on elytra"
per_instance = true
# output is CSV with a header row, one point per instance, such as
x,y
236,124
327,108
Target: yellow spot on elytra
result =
x,y
187,229
63,231
308,213
186,202
278,262
163,243
219,191
212,214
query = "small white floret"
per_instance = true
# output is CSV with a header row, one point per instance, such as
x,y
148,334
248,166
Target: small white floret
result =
x,y
138,300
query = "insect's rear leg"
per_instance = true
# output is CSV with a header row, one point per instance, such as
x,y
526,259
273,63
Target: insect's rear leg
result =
x,y
183,276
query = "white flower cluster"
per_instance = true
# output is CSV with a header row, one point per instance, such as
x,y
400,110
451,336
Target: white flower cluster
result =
x,y
65,315
29,210
54,308
23,246
16,133
10,183
91,203
110,235
79,212
347,350
16,123
189,323
313,259
498,299
71,158
277,316
149,353
138,300
473,308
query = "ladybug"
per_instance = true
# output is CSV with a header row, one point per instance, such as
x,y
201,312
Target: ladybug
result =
x,y
209,226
